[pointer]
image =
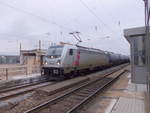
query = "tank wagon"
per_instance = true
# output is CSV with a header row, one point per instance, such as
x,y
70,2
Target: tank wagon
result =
x,y
68,60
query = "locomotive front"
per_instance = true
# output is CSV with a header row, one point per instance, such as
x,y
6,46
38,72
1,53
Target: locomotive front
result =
x,y
52,62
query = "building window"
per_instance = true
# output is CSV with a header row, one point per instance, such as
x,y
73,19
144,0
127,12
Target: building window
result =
x,y
139,52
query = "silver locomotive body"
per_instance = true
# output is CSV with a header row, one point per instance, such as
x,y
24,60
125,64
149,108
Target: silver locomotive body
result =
x,y
69,59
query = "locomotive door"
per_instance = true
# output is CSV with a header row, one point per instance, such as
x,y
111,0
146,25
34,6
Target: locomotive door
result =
x,y
71,57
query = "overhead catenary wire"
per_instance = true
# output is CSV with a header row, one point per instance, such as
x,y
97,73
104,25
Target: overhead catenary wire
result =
x,y
107,12
95,15
117,22
34,15
42,18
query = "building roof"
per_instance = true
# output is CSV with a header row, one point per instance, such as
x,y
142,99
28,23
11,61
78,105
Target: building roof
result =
x,y
34,51
132,32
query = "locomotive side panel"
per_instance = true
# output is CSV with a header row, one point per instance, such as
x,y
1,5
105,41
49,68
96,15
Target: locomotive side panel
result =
x,y
69,60
92,59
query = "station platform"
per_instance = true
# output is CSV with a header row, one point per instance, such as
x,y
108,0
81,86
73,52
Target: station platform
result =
x,y
24,76
133,102
131,99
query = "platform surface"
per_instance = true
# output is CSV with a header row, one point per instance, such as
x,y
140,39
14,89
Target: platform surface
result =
x,y
131,104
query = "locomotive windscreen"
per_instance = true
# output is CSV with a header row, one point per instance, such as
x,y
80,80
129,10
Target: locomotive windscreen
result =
x,y
54,51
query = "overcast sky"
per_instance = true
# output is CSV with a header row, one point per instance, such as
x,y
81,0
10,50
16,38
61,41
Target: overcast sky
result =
x,y
27,21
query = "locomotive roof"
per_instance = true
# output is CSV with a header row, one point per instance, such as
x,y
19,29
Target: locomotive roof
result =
x,y
91,49
56,46
84,48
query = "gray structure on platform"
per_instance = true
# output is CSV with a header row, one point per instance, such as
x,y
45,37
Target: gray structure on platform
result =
x,y
136,38
147,43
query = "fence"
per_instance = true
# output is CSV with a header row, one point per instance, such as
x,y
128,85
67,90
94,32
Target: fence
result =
x,y
8,72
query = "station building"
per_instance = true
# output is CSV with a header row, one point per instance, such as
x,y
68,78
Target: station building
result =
x,y
32,58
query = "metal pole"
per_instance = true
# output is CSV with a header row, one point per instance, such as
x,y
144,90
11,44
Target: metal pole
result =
x,y
26,70
39,44
6,73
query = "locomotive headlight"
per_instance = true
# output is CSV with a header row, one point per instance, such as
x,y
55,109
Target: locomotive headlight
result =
x,y
45,63
58,62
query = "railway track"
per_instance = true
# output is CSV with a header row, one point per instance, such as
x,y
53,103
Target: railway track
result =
x,y
72,100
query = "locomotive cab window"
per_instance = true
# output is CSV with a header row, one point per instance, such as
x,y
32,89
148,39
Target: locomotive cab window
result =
x,y
71,52
54,52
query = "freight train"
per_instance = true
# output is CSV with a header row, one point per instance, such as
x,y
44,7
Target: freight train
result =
x,y
69,60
